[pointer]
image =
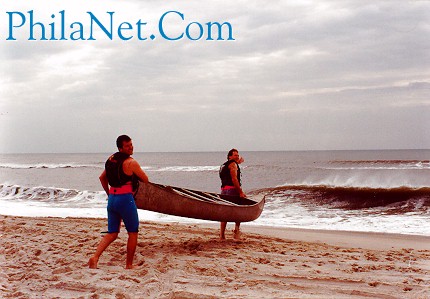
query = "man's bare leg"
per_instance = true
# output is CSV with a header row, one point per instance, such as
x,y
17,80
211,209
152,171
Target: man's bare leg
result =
x,y
236,231
104,243
222,230
131,249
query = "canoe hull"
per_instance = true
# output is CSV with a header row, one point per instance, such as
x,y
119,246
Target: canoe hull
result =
x,y
172,201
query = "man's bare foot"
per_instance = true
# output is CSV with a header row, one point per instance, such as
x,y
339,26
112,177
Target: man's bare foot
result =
x,y
222,237
92,263
128,267
236,234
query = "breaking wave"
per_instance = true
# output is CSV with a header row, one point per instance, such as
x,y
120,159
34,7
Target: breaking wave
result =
x,y
402,199
380,164
47,165
101,166
51,196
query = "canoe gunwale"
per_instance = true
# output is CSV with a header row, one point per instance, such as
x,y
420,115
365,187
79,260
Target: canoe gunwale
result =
x,y
202,205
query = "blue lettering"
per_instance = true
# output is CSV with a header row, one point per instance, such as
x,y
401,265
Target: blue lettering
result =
x,y
94,19
139,30
219,26
120,29
58,29
52,25
32,24
187,31
79,32
11,26
161,25
63,21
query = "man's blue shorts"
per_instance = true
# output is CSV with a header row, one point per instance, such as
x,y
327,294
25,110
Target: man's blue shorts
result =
x,y
122,206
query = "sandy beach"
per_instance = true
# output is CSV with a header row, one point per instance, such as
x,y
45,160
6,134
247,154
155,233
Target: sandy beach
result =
x,y
47,258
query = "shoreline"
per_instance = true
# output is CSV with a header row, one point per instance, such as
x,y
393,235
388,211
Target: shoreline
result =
x,y
48,257
208,223
359,239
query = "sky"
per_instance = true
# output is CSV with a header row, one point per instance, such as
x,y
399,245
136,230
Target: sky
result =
x,y
299,75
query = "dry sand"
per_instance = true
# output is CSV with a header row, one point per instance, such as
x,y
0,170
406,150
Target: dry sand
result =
x,y
47,258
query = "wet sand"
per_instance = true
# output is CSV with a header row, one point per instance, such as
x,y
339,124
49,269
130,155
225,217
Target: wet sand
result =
x,y
47,258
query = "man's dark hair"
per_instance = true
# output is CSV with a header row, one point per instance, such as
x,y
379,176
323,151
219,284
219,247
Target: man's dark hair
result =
x,y
121,139
230,153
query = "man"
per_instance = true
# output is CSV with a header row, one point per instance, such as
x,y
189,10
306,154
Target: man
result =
x,y
121,170
231,185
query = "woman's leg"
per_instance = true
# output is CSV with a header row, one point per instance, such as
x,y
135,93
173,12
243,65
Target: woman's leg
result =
x,y
237,231
222,231
104,243
131,249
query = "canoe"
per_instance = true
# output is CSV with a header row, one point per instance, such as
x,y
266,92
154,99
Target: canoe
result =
x,y
198,204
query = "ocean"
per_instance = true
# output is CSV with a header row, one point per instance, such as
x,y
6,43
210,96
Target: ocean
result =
x,y
372,191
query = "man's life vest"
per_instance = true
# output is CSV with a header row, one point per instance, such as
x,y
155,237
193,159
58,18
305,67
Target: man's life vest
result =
x,y
114,172
225,175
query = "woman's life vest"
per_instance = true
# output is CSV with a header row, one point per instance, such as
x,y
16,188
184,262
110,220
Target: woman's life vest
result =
x,y
114,172
225,175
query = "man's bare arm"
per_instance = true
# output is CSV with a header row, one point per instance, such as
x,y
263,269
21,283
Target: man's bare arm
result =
x,y
104,181
233,173
135,168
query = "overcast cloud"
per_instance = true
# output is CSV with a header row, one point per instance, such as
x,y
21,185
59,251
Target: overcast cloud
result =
x,y
300,75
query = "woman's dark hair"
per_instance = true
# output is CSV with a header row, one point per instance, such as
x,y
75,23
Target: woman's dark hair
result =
x,y
121,139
